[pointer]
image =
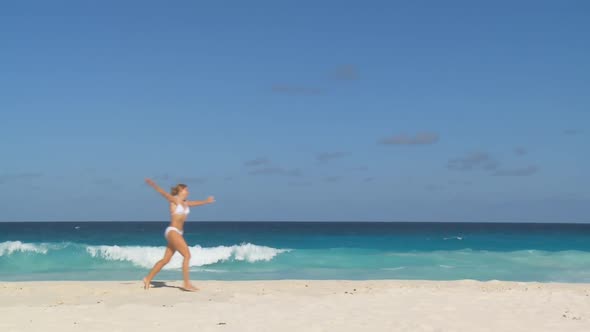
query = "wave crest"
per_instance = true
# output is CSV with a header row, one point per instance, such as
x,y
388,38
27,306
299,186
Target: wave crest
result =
x,y
9,247
146,257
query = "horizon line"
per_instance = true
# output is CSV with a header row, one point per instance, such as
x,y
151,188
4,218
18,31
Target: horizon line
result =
x,y
302,221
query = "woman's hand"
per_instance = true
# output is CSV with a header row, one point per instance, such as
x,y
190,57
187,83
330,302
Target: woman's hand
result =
x,y
209,200
150,182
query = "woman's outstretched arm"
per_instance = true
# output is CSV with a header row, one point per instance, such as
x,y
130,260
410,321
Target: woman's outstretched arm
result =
x,y
163,192
209,200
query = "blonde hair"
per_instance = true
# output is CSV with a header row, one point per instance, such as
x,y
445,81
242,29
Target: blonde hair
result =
x,y
176,189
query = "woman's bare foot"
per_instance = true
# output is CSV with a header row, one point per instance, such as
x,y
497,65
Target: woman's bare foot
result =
x,y
146,283
190,288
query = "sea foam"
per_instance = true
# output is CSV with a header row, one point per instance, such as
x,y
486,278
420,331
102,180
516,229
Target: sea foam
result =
x,y
146,256
9,247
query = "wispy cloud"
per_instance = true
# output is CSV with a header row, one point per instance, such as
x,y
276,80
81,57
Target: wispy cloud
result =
x,y
328,156
106,182
269,169
346,72
460,182
88,170
103,181
161,177
260,161
5,178
420,139
300,183
571,132
473,161
333,179
434,187
483,161
277,171
520,151
566,197
192,180
296,90
526,171
174,179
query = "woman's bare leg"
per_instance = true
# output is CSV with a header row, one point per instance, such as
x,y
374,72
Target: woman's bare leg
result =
x,y
158,266
178,243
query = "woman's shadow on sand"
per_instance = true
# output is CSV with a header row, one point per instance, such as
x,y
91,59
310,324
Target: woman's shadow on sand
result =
x,y
161,284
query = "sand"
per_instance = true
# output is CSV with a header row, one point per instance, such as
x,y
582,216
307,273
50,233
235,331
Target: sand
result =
x,y
295,305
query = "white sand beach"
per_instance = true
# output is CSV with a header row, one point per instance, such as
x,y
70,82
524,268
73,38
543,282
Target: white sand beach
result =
x,y
295,305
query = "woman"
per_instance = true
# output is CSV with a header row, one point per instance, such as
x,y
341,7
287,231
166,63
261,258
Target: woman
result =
x,y
179,209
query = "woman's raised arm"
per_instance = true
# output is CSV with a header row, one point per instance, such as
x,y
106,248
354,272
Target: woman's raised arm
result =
x,y
163,192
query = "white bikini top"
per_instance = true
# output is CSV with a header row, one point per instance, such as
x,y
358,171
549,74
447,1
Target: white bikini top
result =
x,y
180,209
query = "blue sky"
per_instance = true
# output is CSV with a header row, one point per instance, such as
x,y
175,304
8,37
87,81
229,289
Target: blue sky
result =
x,y
296,110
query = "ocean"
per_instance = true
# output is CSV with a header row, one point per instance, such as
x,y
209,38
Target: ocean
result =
x,y
299,250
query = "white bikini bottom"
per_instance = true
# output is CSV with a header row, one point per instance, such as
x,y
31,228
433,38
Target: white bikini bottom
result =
x,y
171,228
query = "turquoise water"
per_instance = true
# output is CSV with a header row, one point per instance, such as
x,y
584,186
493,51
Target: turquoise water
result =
x,y
267,250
